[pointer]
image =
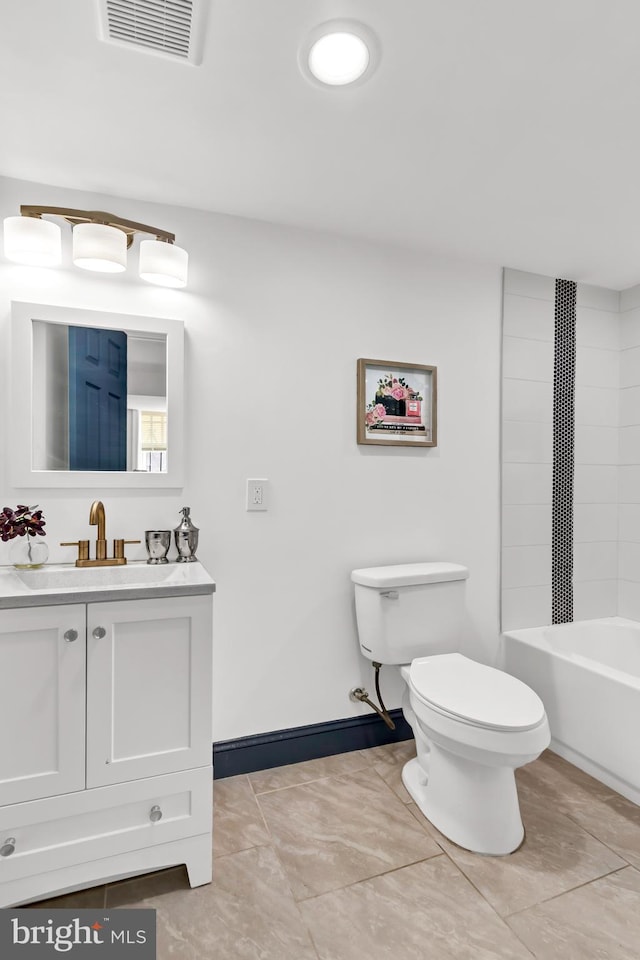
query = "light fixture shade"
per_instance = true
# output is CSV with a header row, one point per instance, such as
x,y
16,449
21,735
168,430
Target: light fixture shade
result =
x,y
163,263
338,58
97,246
32,241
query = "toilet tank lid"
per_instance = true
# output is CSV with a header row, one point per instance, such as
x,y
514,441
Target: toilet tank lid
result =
x,y
409,574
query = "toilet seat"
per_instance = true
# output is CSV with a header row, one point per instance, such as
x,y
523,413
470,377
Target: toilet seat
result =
x,y
468,691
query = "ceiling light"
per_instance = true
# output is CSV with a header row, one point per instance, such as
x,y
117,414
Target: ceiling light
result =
x,y
338,53
338,58
100,243
32,241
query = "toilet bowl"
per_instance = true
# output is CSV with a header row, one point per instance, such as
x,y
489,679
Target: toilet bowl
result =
x,y
473,725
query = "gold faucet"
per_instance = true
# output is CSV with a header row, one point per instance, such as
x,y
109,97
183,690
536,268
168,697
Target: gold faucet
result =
x,y
97,518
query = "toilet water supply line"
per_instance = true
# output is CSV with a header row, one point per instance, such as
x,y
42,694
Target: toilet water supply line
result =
x,y
358,693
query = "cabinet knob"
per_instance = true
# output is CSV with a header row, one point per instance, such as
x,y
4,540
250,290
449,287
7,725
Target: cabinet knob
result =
x,y
99,633
71,635
9,846
155,814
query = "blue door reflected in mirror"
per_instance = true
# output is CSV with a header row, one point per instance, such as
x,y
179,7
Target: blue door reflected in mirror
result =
x,y
97,399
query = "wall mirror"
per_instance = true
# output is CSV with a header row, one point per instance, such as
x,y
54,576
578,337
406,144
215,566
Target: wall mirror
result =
x,y
97,398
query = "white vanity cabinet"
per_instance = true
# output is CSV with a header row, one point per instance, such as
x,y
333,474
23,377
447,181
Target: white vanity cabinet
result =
x,y
42,702
105,743
148,688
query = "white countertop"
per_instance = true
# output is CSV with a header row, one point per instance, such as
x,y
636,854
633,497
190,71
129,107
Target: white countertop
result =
x,y
55,583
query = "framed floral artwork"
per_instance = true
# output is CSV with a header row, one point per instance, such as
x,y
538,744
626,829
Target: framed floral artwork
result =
x,y
397,403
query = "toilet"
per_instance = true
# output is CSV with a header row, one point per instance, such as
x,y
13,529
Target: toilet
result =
x,y
473,724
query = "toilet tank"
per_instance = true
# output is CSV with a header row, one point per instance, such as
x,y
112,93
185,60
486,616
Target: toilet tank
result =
x,y
409,610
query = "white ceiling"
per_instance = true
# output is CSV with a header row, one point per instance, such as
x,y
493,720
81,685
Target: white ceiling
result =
x,y
505,131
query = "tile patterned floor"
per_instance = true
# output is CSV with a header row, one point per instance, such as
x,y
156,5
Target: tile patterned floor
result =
x,y
330,860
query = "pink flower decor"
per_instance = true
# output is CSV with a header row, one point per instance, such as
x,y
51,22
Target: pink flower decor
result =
x,y
23,521
400,393
374,413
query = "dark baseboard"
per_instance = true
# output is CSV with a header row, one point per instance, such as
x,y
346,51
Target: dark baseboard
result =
x,y
275,749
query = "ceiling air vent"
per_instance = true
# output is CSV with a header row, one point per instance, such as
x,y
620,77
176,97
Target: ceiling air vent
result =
x,y
170,28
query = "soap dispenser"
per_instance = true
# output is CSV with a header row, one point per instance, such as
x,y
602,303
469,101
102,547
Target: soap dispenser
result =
x,y
186,537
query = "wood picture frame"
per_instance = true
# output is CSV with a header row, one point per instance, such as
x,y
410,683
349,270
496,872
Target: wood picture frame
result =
x,y
397,403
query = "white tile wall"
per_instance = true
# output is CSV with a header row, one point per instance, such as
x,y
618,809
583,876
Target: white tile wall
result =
x,y
527,359
597,328
526,566
596,479
629,522
529,523
629,406
629,484
630,328
527,448
596,367
526,483
595,484
595,521
596,445
529,284
596,406
630,445
602,337
629,299
524,442
599,298
594,600
629,599
529,399
629,565
629,495
526,607
528,318
596,560
629,366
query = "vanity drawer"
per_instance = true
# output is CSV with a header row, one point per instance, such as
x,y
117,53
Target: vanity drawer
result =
x,y
80,827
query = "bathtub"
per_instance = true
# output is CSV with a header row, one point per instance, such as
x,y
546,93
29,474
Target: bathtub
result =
x,y
587,674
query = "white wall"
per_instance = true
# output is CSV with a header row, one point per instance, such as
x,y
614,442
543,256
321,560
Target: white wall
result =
x,y
275,320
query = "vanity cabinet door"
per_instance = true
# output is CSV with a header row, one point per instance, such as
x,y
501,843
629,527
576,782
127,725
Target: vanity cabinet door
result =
x,y
148,688
42,702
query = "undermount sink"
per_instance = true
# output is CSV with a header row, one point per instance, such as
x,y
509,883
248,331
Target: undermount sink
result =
x,y
61,577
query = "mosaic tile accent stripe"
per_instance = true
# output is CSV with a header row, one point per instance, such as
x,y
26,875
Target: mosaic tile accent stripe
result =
x,y
564,375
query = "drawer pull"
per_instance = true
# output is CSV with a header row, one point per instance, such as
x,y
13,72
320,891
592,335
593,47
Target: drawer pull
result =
x,y
155,814
8,847
99,633
71,635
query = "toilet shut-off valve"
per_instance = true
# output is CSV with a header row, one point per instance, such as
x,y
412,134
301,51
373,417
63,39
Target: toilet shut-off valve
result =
x,y
359,693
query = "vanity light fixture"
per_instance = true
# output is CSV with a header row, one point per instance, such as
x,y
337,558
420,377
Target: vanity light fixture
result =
x,y
338,53
100,243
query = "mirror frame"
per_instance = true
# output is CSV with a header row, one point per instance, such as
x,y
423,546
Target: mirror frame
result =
x,y
21,381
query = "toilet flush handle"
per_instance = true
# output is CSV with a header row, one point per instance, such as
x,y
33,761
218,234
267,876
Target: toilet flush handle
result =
x,y
390,594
